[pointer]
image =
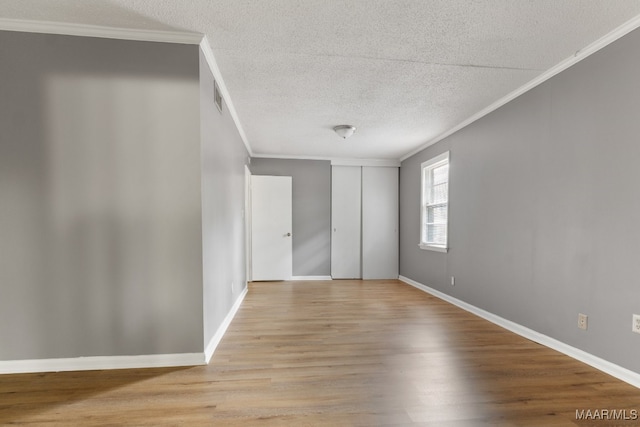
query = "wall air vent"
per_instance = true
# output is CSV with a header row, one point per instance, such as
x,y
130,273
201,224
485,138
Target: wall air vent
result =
x,y
217,96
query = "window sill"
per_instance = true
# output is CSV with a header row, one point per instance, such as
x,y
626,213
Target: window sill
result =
x,y
433,248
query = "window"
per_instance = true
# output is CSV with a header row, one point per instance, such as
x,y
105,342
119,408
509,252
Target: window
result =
x,y
435,203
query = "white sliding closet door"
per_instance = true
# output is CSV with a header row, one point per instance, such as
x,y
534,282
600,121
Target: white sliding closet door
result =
x,y
346,195
380,222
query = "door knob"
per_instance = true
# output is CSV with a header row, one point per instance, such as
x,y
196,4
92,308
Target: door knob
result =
x,y
288,234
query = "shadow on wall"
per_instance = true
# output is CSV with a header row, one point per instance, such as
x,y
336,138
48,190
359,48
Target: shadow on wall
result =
x,y
99,168
310,257
120,224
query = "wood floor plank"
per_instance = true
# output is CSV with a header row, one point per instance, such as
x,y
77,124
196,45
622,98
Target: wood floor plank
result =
x,y
335,353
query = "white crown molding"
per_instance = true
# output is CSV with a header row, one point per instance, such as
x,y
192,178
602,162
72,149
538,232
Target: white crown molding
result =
x,y
579,55
288,157
217,337
310,278
612,369
213,66
82,30
70,29
366,162
334,161
101,362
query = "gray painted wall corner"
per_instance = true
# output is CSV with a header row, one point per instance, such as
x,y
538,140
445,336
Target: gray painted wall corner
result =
x,y
542,208
223,159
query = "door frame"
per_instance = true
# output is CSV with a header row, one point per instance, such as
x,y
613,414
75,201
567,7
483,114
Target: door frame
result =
x,y
247,223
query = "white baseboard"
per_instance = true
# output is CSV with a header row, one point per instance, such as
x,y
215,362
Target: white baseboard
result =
x,y
92,363
217,337
311,278
612,369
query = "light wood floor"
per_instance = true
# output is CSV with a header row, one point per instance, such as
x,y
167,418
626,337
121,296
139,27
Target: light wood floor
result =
x,y
341,353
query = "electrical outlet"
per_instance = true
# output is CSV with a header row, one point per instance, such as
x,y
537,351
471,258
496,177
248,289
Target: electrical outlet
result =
x,y
636,324
232,287
453,281
582,321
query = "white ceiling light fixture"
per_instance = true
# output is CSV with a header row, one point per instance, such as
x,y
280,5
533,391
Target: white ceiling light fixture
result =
x,y
344,131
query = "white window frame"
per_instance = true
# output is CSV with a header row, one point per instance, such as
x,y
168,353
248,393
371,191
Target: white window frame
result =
x,y
425,168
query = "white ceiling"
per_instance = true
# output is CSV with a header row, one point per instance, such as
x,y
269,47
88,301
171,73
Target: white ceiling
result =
x,y
403,71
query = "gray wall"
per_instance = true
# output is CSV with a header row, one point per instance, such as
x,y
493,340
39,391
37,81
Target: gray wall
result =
x,y
100,189
223,160
311,211
544,208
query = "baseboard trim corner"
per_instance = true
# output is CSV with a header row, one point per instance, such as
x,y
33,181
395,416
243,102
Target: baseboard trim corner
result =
x,y
605,366
93,363
217,337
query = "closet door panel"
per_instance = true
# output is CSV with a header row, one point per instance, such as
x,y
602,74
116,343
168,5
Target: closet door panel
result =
x,y
380,222
346,213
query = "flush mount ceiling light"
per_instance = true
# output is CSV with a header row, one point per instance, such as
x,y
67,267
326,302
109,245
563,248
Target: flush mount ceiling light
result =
x,y
344,131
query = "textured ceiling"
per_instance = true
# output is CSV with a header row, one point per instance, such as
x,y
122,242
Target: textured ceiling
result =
x,y
402,71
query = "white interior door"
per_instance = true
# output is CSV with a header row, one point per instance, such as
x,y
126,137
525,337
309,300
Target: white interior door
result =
x,y
247,222
380,223
271,225
345,222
